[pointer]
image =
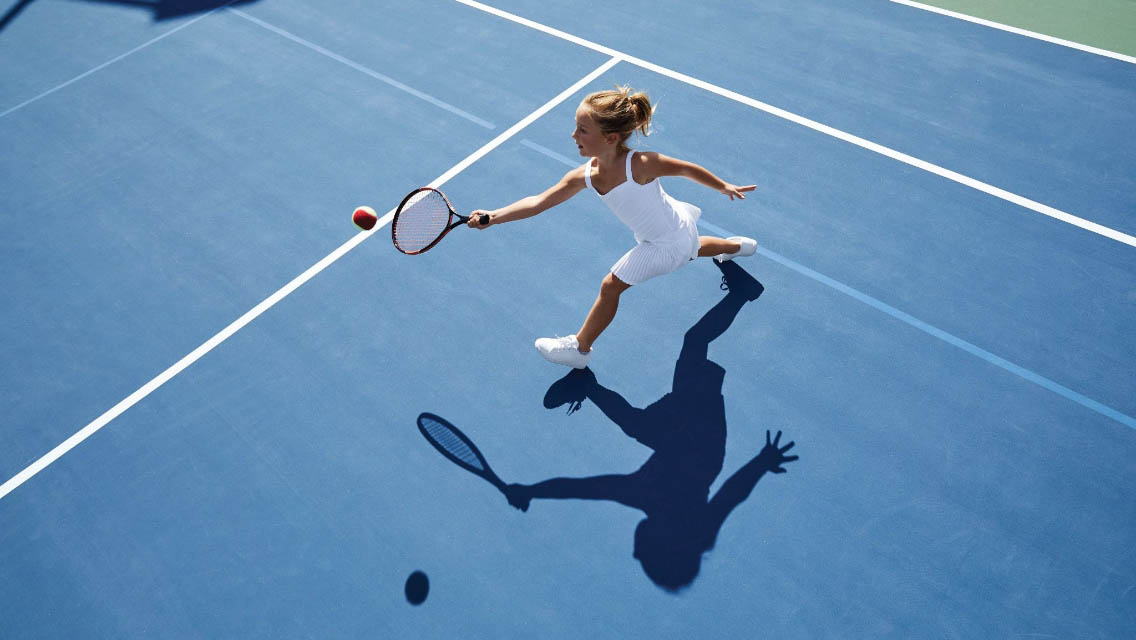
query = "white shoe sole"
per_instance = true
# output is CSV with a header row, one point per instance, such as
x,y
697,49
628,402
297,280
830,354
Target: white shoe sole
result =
x,y
748,248
569,357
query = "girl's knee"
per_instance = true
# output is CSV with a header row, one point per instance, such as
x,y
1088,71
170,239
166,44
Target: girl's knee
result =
x,y
612,286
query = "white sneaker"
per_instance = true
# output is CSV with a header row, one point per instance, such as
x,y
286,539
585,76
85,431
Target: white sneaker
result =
x,y
749,247
565,351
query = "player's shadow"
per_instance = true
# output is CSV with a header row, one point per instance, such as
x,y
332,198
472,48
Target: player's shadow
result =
x,y
686,428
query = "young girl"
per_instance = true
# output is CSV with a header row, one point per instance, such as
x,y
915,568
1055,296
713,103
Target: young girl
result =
x,y
665,229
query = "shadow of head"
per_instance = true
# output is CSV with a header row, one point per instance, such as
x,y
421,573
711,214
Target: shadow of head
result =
x,y
669,553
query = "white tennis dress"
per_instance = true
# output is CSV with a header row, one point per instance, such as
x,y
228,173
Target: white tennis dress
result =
x,y
665,229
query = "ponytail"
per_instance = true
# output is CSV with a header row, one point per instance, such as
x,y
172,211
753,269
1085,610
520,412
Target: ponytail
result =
x,y
621,111
641,104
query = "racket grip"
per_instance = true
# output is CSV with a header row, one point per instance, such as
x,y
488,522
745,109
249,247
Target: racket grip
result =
x,y
483,219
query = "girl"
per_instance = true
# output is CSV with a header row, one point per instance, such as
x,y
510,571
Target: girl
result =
x,y
665,229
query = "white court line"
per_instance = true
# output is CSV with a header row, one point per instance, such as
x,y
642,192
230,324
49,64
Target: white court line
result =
x,y
109,62
1021,32
212,343
1037,207
908,319
551,154
362,69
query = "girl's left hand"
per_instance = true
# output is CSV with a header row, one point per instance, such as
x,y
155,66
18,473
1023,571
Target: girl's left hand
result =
x,y
735,191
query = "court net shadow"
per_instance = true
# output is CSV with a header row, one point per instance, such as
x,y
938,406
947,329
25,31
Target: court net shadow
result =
x,y
168,9
162,9
14,11
686,429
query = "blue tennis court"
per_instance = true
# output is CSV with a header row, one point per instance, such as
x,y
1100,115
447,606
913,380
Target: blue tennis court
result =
x,y
212,379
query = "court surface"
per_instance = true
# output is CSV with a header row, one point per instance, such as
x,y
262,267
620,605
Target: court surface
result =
x,y
211,379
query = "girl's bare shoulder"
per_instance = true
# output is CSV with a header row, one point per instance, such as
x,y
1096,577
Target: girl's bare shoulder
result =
x,y
574,177
655,165
647,165
651,159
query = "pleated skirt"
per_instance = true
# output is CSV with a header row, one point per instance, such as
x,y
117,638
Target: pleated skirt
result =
x,y
651,258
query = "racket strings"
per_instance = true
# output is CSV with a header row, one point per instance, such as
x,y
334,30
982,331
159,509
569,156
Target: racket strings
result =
x,y
421,220
452,444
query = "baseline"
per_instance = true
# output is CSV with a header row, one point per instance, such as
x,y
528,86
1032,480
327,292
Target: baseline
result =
x,y
954,176
1018,31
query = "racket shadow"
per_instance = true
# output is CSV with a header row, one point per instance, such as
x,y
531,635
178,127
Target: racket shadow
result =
x,y
686,429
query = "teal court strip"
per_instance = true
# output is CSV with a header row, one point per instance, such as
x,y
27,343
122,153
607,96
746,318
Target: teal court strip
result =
x,y
1018,31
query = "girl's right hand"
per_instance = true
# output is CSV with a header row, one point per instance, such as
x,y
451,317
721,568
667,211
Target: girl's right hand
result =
x,y
475,215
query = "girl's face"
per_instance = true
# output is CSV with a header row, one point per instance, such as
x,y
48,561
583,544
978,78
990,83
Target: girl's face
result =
x,y
590,141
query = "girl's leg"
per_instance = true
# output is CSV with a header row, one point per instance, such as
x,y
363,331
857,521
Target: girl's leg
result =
x,y
713,245
603,310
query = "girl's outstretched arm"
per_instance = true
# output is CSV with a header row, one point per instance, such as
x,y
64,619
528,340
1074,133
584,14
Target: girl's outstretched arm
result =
x,y
654,165
571,184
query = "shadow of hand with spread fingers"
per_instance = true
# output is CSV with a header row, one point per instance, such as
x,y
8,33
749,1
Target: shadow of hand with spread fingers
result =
x,y
686,429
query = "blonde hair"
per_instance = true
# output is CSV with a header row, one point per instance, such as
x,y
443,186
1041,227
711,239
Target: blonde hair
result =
x,y
620,111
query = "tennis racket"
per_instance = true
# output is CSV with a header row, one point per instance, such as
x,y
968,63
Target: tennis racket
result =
x,y
454,444
423,218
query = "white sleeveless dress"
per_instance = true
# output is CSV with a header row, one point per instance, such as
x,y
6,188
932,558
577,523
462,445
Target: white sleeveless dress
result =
x,y
665,229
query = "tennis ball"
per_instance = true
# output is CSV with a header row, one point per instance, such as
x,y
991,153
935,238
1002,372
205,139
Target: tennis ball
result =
x,y
364,218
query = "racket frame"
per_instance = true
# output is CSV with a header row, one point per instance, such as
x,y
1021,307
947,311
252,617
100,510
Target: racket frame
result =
x,y
456,220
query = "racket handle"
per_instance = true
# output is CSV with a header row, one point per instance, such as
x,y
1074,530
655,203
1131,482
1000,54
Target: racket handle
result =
x,y
483,219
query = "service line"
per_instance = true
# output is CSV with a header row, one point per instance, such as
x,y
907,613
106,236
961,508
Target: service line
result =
x,y
111,61
437,102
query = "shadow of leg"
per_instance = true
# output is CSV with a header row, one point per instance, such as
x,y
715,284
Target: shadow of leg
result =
x,y
572,390
737,281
